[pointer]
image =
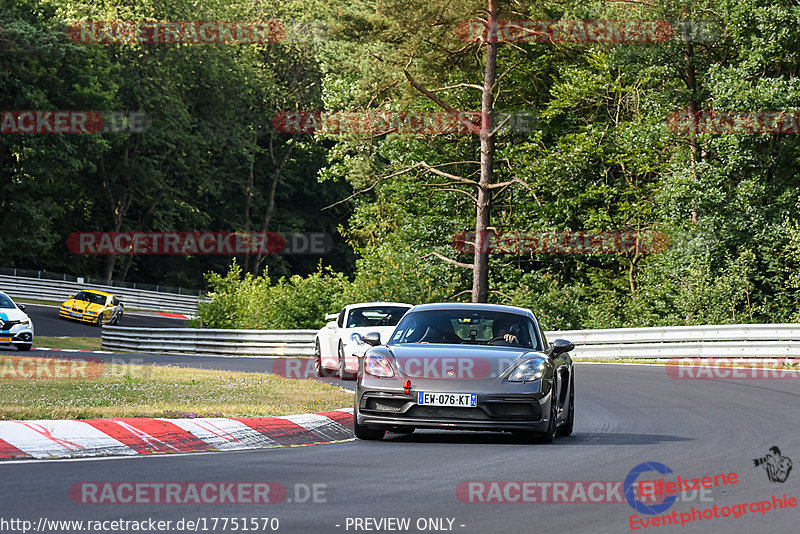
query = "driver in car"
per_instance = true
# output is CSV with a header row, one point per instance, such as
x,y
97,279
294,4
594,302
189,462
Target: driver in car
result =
x,y
505,329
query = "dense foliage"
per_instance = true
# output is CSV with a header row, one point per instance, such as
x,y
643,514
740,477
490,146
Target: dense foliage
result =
x,y
600,156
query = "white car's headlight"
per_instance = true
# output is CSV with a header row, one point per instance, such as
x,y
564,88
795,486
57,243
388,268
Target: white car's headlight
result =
x,y
528,371
25,322
378,365
355,337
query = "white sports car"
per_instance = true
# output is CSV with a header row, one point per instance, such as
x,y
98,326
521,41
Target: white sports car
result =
x,y
338,342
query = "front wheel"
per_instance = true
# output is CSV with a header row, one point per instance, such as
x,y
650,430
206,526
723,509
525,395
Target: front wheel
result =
x,y
344,374
363,432
23,347
99,320
118,319
552,428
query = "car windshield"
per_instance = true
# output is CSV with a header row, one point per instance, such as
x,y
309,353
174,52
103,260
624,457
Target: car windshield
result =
x,y
91,298
6,302
375,316
466,327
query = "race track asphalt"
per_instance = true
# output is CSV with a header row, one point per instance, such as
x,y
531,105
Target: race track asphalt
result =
x,y
47,323
625,415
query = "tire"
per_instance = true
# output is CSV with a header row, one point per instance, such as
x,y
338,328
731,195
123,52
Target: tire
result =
x,y
23,347
552,428
344,374
99,321
566,428
365,433
318,359
402,430
118,319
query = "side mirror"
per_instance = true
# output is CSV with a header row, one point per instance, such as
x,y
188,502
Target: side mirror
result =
x,y
331,316
21,307
373,339
561,346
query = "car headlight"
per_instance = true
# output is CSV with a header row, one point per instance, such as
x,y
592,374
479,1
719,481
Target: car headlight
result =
x,y
66,307
355,337
378,365
26,322
528,370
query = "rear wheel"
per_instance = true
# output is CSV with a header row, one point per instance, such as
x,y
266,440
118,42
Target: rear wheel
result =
x,y
318,358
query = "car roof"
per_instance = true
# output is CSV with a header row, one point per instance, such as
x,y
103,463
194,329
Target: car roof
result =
x,y
473,306
95,291
376,304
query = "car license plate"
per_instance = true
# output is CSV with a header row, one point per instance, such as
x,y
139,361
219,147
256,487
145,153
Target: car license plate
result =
x,y
73,314
5,340
464,400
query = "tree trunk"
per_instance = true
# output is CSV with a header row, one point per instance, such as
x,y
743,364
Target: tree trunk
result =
x,y
480,268
690,78
248,197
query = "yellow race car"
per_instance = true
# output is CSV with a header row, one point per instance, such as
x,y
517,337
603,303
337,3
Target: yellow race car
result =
x,y
91,306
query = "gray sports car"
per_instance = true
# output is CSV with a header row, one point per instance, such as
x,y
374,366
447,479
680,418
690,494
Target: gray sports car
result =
x,y
466,367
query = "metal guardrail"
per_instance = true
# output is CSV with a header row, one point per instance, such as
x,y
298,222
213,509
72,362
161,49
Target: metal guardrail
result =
x,y
50,275
716,341
713,341
209,342
59,290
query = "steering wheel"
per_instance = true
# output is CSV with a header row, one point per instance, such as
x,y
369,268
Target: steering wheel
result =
x,y
501,337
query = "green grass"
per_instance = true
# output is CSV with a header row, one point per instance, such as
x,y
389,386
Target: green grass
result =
x,y
80,343
156,391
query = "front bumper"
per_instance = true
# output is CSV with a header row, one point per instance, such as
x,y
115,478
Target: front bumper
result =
x,y
84,317
18,335
503,407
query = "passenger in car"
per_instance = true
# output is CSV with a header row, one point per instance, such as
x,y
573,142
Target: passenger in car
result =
x,y
440,331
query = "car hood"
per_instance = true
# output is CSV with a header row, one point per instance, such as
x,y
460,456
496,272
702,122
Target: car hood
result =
x,y
435,360
82,304
12,314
